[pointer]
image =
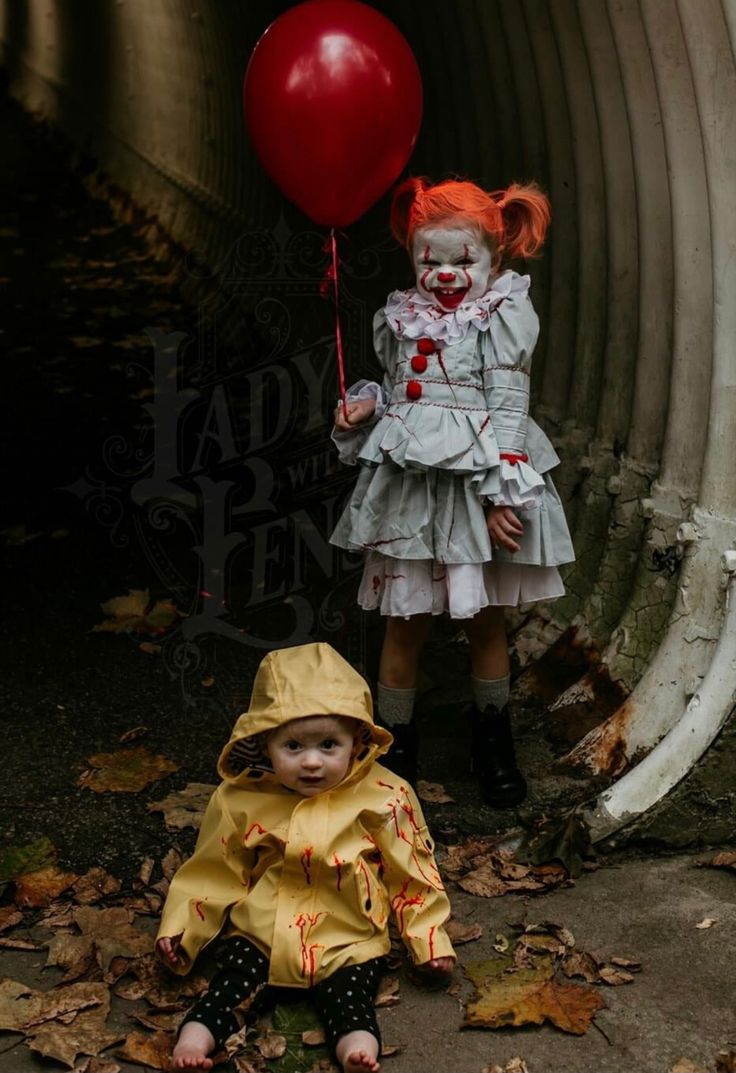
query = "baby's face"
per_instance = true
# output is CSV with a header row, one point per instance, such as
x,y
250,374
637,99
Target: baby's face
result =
x,y
452,265
311,755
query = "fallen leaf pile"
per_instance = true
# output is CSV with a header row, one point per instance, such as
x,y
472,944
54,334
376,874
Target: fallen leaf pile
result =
x,y
532,982
481,868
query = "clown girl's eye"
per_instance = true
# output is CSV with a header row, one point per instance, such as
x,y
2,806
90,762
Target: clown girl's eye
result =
x,y
465,261
431,264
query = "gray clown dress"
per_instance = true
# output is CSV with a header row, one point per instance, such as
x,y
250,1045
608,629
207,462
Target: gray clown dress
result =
x,y
451,433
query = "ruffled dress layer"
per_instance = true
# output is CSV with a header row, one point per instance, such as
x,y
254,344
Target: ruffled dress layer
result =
x,y
451,434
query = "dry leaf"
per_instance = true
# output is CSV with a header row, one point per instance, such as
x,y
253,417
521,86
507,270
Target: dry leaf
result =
x,y
156,984
85,1035
578,963
389,1049
125,771
171,863
463,933
74,953
133,613
95,885
9,917
484,883
143,1050
146,870
112,933
272,1045
150,648
131,735
707,922
433,792
726,1062
40,888
184,808
207,681
7,943
527,996
314,1038
684,1065
245,1065
501,944
388,992
724,860
514,1065
614,977
626,963
97,1065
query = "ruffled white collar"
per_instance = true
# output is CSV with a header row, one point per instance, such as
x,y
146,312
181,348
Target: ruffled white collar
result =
x,y
411,316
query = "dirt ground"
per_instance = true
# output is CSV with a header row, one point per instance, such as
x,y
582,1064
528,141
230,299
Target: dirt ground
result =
x,y
79,289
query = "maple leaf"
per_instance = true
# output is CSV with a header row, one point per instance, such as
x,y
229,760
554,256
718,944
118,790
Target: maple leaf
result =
x,y
527,996
184,808
125,771
272,1045
61,1023
156,985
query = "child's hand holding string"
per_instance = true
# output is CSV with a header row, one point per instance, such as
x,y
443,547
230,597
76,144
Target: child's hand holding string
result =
x,y
353,414
504,528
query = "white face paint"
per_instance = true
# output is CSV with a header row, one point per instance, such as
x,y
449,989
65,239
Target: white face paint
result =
x,y
452,265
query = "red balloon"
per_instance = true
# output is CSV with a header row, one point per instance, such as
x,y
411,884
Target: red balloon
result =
x,y
333,103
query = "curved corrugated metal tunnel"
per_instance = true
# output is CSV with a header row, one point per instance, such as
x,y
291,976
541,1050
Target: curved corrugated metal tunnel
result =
x,y
625,110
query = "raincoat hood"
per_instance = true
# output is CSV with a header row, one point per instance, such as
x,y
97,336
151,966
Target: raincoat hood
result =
x,y
293,683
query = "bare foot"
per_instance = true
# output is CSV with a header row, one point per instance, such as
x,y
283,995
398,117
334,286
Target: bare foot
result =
x,y
357,1052
194,1044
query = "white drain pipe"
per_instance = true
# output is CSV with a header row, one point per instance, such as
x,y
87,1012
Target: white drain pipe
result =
x,y
680,749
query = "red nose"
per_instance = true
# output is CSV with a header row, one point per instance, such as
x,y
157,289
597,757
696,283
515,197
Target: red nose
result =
x,y
446,277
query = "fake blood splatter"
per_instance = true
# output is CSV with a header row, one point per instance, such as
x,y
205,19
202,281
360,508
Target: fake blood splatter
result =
x,y
305,922
306,859
198,909
338,868
253,827
400,903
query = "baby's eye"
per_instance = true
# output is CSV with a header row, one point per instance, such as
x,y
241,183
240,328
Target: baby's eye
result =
x,y
329,743
292,745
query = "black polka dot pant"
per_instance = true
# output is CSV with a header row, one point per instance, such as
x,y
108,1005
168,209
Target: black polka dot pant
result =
x,y
242,969
344,1001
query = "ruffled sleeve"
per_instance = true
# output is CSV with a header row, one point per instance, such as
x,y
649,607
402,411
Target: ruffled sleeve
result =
x,y
507,349
349,443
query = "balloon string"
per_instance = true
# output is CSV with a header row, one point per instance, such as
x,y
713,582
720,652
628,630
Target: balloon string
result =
x,y
338,333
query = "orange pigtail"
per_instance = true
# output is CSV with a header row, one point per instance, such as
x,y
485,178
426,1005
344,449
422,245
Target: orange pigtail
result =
x,y
513,222
526,217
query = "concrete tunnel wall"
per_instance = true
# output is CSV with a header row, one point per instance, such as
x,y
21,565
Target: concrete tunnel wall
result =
x,y
625,110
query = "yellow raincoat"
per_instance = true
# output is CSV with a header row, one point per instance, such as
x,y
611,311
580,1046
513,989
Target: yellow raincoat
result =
x,y
311,881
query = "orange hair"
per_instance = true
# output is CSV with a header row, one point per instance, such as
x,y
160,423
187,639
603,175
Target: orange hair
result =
x,y
514,221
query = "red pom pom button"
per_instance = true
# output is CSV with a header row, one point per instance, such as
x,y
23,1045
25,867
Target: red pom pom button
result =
x,y
426,346
413,389
419,363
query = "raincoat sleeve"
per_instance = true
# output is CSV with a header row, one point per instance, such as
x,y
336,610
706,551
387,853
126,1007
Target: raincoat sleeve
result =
x,y
349,443
416,893
508,346
214,878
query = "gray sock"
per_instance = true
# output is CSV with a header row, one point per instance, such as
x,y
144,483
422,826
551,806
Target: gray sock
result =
x,y
487,691
395,706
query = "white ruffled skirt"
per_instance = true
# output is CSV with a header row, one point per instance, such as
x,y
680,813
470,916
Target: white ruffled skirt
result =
x,y
406,587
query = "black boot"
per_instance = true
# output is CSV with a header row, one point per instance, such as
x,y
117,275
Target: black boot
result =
x,y
403,756
493,759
